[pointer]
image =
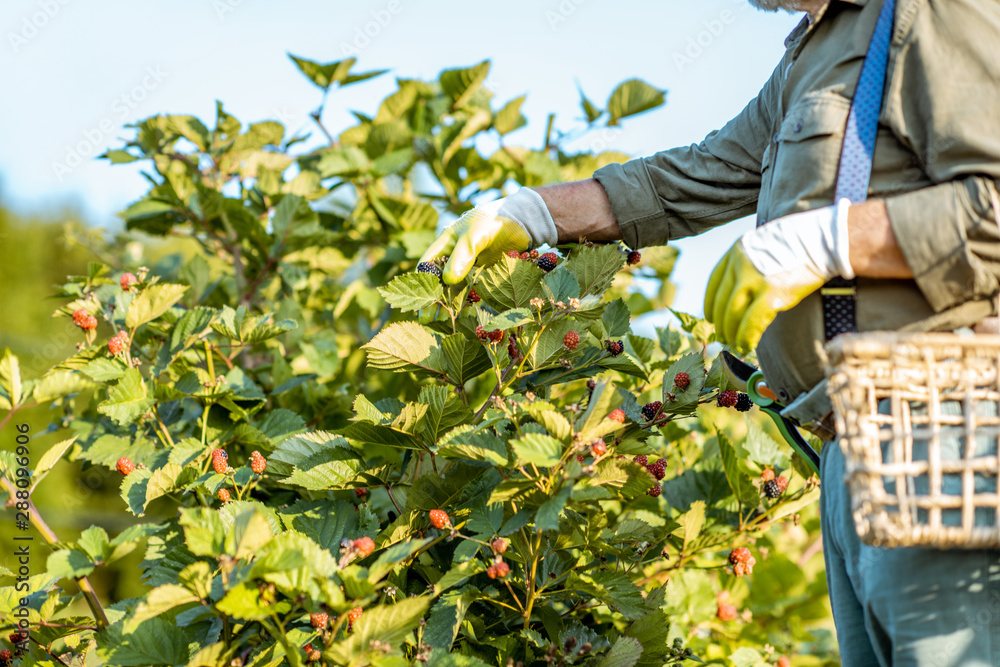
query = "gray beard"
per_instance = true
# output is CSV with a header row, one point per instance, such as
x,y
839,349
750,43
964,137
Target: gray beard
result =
x,y
775,5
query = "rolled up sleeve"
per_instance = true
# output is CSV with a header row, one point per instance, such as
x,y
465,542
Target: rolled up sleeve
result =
x,y
688,190
945,102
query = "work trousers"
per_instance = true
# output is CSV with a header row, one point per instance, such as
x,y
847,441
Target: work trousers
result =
x,y
905,607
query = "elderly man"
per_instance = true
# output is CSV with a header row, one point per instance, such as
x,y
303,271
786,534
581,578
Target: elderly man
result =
x,y
920,249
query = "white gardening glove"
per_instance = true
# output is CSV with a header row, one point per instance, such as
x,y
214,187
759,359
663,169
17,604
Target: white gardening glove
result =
x,y
775,267
485,233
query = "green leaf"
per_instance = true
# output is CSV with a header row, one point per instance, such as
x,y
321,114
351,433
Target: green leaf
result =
x,y
133,490
538,449
650,631
595,267
406,346
466,359
204,531
393,556
509,284
128,399
49,459
412,291
103,369
738,480
326,522
250,531
762,448
473,444
613,477
158,601
612,588
243,602
461,84
446,617
747,657
510,118
591,112
547,517
386,623
694,365
69,564
510,319
561,285
625,653
316,461
692,522
324,75
444,412
152,302
617,319
10,377
238,325
632,97
153,642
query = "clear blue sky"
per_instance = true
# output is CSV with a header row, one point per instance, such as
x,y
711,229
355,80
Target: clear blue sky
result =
x,y
72,69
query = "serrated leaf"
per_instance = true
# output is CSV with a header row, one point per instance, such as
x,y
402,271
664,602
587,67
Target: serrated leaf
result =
x,y
152,302
613,477
537,449
595,267
326,522
10,377
386,623
692,522
127,400
509,284
747,657
561,285
49,459
465,359
446,617
625,652
444,412
413,291
632,97
242,327
547,516
510,319
163,481
153,642
738,480
406,346
103,369
69,564
461,84
616,319
204,531
612,588
133,490
157,601
762,448
473,444
326,74
550,343
694,365
315,461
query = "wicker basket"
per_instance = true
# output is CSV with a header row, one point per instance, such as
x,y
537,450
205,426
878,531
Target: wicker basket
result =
x,y
919,420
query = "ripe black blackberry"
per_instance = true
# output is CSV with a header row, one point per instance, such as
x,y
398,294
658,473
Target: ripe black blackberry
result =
x,y
743,402
548,261
615,347
634,257
429,267
650,409
775,487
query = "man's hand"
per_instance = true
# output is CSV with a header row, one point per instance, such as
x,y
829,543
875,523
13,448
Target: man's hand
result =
x,y
485,233
773,268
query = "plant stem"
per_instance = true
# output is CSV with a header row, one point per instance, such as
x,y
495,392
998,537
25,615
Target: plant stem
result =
x,y
388,489
50,537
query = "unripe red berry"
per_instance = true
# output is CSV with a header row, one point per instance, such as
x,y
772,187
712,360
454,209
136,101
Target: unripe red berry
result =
x,y
727,399
491,571
473,296
360,492
598,448
314,655
739,555
127,280
767,475
615,347
79,315
500,545
116,345
655,491
617,415
439,519
364,546
220,465
354,614
224,495
513,254
727,612
502,569
682,380
89,323
641,459
658,468
125,466
481,333
495,336
257,462
571,340
5,657
634,257
783,661
319,619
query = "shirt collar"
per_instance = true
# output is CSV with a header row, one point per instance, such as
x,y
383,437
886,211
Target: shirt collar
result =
x,y
805,25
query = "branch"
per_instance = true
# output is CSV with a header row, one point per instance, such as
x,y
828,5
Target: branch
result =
x,y
50,537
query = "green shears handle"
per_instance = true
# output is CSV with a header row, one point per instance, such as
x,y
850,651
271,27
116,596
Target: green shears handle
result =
x,y
755,386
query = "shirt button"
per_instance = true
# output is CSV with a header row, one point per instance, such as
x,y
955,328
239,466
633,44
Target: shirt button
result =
x,y
775,138
798,126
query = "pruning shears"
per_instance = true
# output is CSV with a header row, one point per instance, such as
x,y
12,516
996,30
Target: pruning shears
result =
x,y
750,380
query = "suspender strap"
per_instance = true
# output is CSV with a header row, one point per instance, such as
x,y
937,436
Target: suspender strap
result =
x,y
854,174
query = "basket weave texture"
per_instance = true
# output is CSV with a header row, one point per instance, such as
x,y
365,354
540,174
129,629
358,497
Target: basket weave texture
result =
x,y
919,423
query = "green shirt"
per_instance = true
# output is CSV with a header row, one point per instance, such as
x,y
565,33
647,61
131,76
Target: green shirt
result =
x,y
937,165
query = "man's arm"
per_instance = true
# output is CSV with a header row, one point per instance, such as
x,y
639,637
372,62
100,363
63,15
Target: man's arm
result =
x,y
875,253
581,209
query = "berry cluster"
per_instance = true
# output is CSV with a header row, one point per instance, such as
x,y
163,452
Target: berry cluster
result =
x,y
220,461
440,519
634,257
125,466
650,410
615,347
494,336
257,462
658,468
655,491
429,267
742,561
548,261
641,460
571,340
84,320
682,380
775,487
127,280
498,570
473,296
